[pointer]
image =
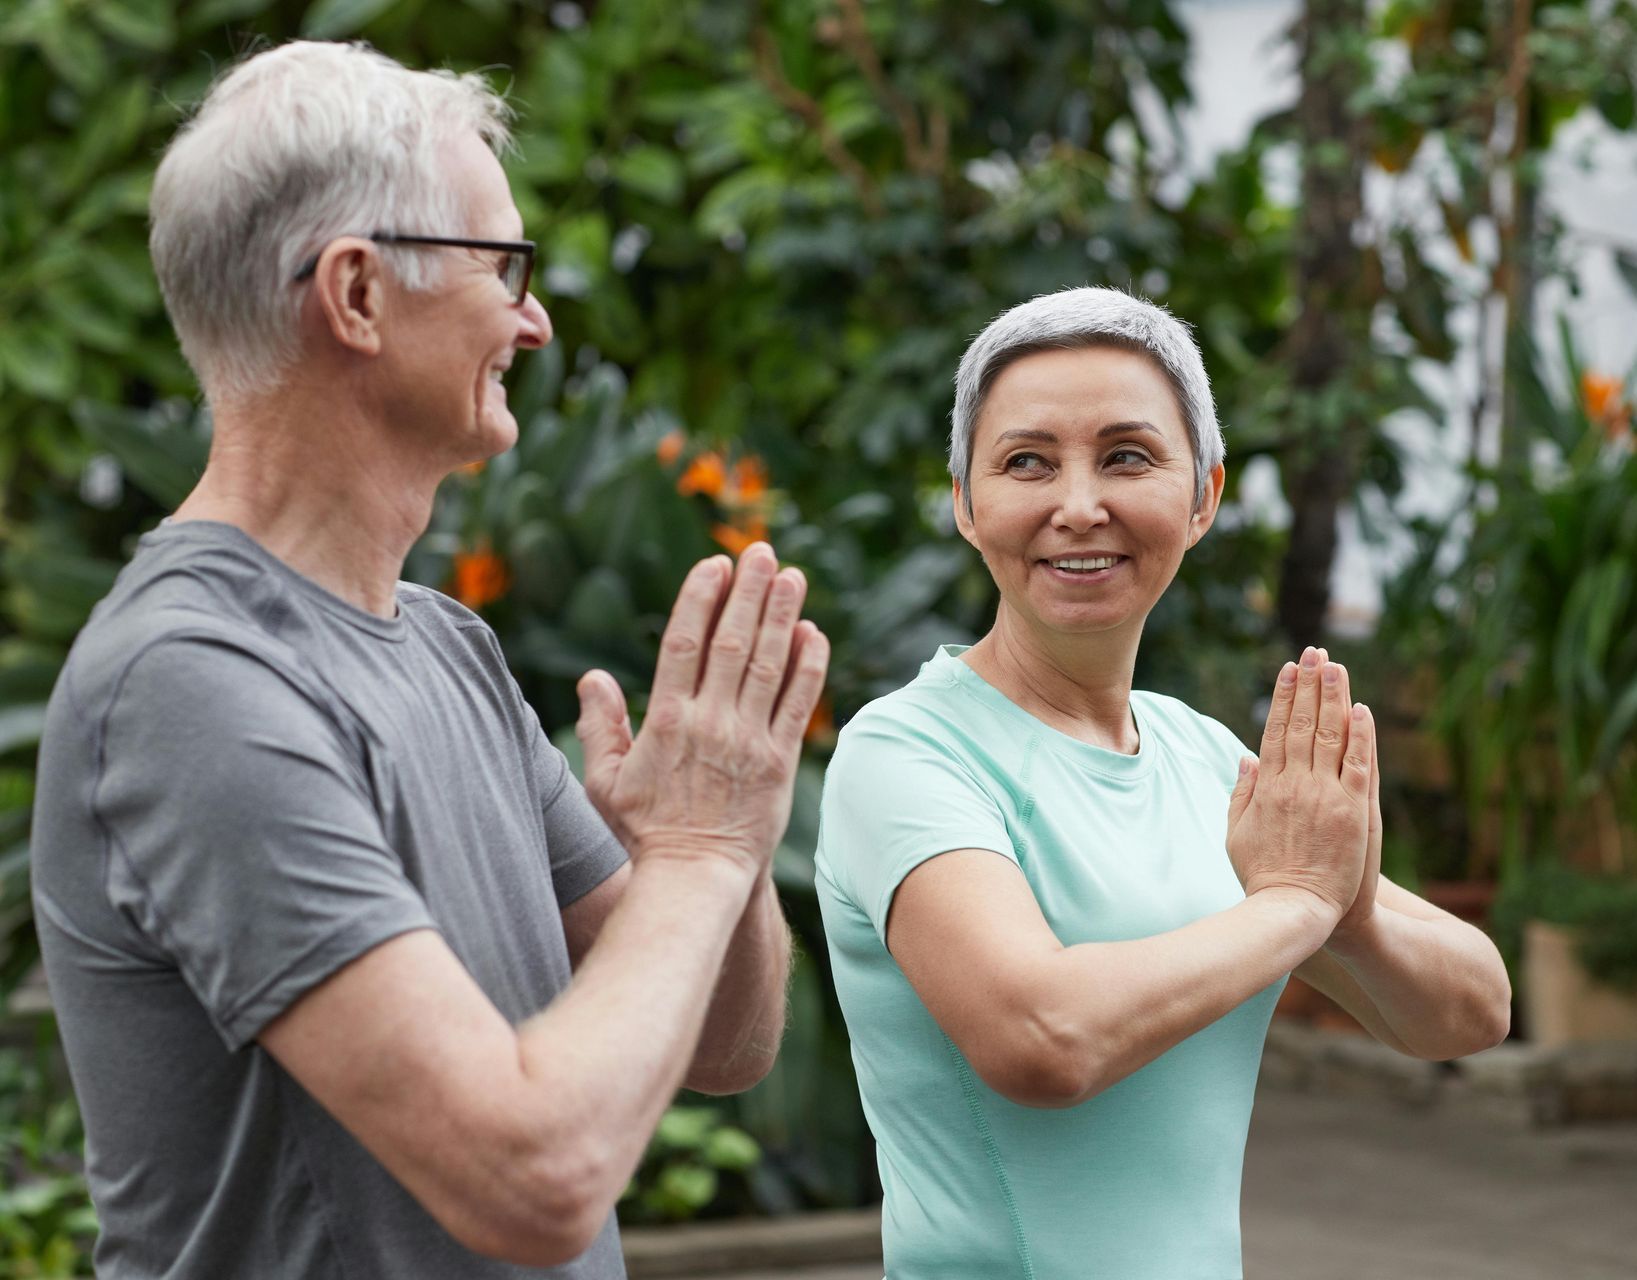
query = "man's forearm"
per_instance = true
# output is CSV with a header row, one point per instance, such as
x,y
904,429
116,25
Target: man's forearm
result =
x,y
1439,986
609,1054
745,1021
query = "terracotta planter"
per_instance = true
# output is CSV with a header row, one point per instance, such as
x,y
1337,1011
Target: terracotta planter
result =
x,y
1562,1002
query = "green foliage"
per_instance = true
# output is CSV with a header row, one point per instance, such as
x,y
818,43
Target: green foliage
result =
x,y
1533,629
1601,910
682,1174
47,1224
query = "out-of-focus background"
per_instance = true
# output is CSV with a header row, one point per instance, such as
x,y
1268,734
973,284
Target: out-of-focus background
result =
x,y
1406,235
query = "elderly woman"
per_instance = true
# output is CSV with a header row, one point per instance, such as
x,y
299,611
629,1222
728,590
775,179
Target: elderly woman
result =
x,y
1056,980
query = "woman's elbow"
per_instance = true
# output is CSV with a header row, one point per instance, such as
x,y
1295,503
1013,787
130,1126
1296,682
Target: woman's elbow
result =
x,y
1037,1065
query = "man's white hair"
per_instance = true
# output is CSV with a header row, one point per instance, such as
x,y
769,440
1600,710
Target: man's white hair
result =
x,y
1086,317
290,149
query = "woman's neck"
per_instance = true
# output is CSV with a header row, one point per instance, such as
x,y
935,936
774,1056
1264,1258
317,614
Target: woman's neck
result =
x,y
1079,685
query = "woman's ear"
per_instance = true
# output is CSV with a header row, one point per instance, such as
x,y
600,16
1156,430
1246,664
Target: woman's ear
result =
x,y
963,516
1205,514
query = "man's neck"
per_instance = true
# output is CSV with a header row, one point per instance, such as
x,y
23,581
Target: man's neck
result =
x,y
322,491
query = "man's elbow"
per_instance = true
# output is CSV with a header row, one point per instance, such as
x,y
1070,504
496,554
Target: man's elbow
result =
x,y
541,1210
744,1071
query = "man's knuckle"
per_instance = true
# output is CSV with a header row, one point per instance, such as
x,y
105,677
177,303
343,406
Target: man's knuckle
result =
x,y
729,644
680,644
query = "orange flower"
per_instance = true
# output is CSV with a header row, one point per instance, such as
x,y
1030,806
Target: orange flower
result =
x,y
669,448
1600,393
821,726
473,468
706,474
1605,405
750,479
735,538
480,577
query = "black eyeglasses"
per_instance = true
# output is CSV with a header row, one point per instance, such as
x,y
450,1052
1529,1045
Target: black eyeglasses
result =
x,y
516,266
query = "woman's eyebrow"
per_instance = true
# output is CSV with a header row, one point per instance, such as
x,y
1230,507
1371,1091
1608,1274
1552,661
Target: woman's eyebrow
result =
x,y
1039,436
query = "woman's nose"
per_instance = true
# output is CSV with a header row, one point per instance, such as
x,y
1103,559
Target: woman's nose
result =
x,y
1079,503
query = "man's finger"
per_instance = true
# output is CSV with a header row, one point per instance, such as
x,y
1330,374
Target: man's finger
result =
x,y
1361,749
764,677
1273,733
1304,713
728,652
802,690
1330,737
682,650
604,729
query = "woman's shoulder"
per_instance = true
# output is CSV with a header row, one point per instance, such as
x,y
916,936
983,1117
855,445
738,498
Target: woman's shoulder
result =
x,y
1188,731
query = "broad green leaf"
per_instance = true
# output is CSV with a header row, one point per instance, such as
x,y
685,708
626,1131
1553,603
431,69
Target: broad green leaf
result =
x,y
332,19
40,360
21,726
650,171
211,13
165,459
144,24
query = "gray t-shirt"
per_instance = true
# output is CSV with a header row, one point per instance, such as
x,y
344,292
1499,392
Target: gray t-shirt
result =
x,y
245,783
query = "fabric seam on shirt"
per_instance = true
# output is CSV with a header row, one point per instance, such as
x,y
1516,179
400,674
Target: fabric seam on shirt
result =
x,y
991,1149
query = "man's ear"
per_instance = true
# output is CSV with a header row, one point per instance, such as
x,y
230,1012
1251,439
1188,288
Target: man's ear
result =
x,y
963,520
1205,514
349,284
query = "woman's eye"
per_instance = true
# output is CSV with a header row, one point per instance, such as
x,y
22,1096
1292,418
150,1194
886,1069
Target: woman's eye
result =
x,y
1024,462
1128,457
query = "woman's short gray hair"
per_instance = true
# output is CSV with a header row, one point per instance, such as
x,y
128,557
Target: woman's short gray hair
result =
x,y
1086,317
290,149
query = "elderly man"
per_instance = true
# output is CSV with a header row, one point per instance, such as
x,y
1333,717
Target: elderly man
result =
x,y
354,978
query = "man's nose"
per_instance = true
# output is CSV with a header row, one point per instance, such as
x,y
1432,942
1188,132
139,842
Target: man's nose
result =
x,y
535,329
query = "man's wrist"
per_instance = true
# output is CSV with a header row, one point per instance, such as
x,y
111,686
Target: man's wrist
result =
x,y
699,862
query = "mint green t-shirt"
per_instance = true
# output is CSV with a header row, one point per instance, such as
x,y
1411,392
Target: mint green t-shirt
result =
x,y
1140,1182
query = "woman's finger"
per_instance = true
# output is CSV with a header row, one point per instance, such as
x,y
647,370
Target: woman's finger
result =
x,y
1304,713
1361,750
1273,733
1330,736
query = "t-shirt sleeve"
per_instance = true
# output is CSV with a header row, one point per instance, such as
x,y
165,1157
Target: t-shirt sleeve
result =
x,y
243,837
582,850
893,798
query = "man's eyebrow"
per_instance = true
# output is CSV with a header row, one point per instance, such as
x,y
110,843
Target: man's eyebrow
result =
x,y
1039,436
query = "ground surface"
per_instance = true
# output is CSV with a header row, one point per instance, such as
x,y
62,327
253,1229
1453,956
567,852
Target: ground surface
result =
x,y
1364,1189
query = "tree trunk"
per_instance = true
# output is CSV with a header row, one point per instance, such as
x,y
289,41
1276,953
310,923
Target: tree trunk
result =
x,y
1332,329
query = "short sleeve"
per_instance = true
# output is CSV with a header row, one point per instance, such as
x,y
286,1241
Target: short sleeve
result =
x,y
243,837
893,798
582,850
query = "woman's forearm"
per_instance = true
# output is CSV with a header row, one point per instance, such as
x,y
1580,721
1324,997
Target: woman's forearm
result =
x,y
1438,985
1106,1009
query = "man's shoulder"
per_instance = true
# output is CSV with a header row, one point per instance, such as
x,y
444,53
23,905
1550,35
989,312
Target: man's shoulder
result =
x,y
179,595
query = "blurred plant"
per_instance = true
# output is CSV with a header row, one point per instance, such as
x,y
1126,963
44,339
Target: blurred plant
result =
x,y
47,1224
1600,910
682,1174
1529,616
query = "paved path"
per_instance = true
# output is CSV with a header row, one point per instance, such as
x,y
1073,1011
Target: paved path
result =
x,y
1355,1189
